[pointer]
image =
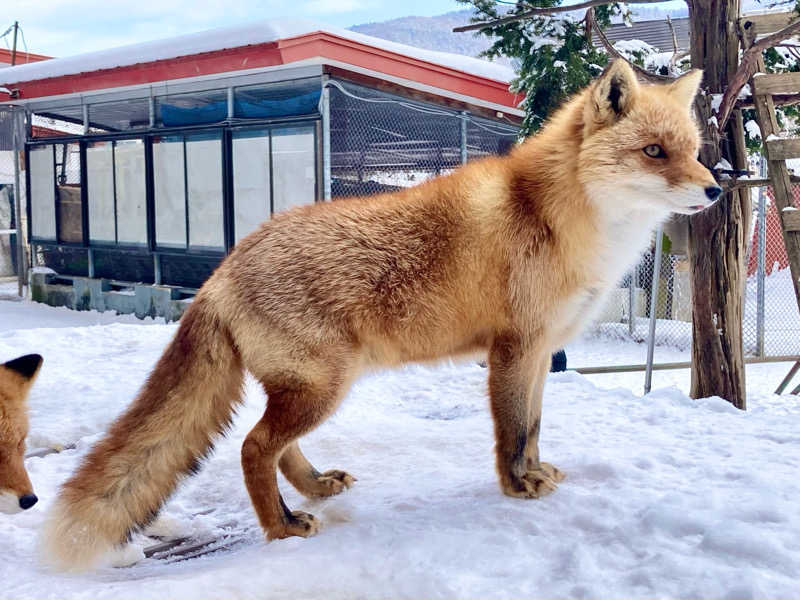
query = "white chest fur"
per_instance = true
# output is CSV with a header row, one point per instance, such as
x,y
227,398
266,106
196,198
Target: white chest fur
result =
x,y
623,238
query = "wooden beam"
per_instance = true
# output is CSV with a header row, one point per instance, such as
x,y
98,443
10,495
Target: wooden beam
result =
x,y
776,83
783,148
781,184
777,100
767,23
791,220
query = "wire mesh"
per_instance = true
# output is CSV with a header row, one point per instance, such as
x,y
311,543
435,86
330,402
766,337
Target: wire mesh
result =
x,y
381,142
771,317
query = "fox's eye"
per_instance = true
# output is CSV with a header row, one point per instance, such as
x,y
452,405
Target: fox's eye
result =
x,y
654,151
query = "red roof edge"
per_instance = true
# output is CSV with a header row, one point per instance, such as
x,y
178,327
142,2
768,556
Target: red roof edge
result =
x,y
23,58
285,51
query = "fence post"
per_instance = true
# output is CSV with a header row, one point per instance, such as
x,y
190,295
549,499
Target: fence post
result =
x,y
762,239
631,289
325,109
18,145
651,338
463,138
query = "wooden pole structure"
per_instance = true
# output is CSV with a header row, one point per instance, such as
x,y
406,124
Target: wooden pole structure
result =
x,y
717,236
14,44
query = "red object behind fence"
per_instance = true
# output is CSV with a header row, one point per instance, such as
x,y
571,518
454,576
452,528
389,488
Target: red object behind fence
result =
x,y
775,252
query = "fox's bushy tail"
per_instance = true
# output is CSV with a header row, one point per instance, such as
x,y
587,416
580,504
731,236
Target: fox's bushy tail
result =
x,y
187,400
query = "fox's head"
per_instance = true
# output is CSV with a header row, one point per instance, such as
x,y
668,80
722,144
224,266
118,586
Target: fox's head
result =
x,y
640,144
16,377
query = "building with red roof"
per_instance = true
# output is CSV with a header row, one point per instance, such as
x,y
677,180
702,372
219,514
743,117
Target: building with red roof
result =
x,y
175,149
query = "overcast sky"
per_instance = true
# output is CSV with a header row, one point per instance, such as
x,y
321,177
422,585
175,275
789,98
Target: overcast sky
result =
x,y
66,27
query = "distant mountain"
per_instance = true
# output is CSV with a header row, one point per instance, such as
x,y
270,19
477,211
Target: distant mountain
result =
x,y
431,33
436,33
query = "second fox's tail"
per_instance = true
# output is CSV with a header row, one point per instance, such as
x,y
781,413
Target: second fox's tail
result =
x,y
122,483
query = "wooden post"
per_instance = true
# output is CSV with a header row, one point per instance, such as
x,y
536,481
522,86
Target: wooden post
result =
x,y
717,235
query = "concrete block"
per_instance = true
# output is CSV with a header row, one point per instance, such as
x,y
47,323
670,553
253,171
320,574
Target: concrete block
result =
x,y
121,302
153,300
82,297
97,293
177,308
58,295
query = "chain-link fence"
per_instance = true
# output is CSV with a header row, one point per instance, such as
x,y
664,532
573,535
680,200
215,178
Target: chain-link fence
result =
x,y
771,318
626,314
381,142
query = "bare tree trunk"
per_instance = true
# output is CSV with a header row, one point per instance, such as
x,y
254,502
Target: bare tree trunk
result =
x,y
717,236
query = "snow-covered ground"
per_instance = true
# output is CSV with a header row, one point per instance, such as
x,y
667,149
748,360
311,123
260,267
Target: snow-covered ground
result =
x,y
665,497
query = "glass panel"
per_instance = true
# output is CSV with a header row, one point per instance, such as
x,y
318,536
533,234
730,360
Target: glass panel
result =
x,y
170,192
204,174
70,207
121,115
293,167
192,109
250,181
131,197
297,97
100,191
67,120
42,177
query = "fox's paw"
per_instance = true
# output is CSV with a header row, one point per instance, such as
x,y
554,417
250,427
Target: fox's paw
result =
x,y
333,482
301,524
553,472
534,483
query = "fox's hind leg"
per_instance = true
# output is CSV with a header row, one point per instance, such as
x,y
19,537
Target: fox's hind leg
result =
x,y
308,481
295,405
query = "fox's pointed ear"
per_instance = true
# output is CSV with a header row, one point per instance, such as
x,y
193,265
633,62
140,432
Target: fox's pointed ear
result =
x,y
613,94
685,87
27,365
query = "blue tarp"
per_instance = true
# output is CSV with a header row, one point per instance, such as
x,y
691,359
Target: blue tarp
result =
x,y
176,116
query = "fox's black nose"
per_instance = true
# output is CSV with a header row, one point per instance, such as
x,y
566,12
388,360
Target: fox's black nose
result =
x,y
28,500
713,192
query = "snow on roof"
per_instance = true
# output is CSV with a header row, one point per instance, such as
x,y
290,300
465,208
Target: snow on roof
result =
x,y
236,37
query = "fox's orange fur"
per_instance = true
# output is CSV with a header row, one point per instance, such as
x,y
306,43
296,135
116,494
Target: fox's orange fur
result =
x,y
507,255
16,378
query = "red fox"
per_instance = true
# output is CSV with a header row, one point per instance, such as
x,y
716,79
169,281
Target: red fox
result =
x,y
508,255
16,378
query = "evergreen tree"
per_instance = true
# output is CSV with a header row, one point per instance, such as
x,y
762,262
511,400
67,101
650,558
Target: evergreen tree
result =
x,y
553,55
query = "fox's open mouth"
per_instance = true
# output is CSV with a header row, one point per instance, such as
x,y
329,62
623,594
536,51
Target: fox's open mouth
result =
x,y
697,207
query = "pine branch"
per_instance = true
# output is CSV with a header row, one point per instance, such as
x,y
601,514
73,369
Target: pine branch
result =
x,y
643,74
547,11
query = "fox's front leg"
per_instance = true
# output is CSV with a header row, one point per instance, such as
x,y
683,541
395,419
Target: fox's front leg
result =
x,y
516,381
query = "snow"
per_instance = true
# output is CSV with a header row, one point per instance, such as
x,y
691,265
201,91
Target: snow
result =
x,y
723,165
716,101
745,92
631,46
234,37
753,130
665,497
